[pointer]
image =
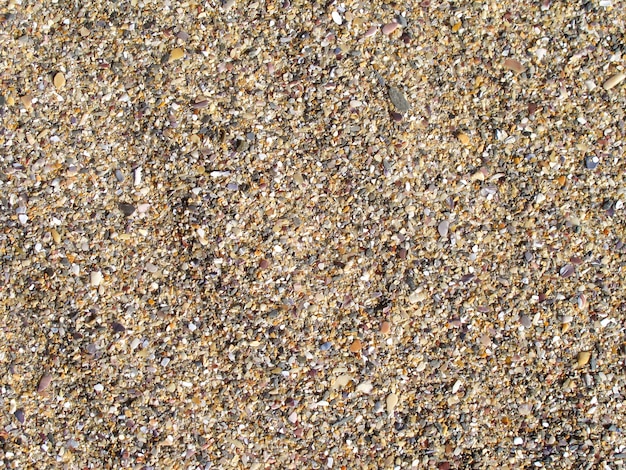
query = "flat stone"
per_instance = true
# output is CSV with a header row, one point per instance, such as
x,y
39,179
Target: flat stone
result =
x,y
398,99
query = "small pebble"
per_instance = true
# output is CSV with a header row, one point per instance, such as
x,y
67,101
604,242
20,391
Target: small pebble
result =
x,y
514,65
19,415
463,138
583,358
392,401
385,327
177,54
592,162
355,346
525,321
59,80
337,18
390,28
99,388
95,278
614,81
398,99
127,209
44,382
371,31
443,227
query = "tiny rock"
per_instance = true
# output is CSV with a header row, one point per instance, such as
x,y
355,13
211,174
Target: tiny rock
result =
x,y
514,65
177,54
463,138
365,387
583,358
385,327
59,80
392,401
390,28
355,346
95,278
614,81
398,99
44,382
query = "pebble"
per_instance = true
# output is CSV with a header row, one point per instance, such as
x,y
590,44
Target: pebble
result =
x,y
463,138
95,278
592,162
59,80
337,18
392,401
356,345
443,227
371,31
390,28
525,321
385,327
20,416
177,54
127,209
44,382
398,99
583,358
514,65
613,81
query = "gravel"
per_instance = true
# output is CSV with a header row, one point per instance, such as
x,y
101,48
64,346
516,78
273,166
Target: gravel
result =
x,y
329,235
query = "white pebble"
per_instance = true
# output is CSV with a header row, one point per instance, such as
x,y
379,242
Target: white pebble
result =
x,y
337,17
192,327
95,278
134,343
443,228
518,441
137,176
99,388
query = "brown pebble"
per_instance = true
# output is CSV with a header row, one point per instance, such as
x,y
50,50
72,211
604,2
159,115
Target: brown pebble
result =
x,y
583,358
355,346
385,327
397,117
177,53
264,264
59,80
514,65
463,138
44,382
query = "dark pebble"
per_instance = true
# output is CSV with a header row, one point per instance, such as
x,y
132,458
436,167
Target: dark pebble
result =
x,y
20,416
592,162
118,327
326,346
127,209
397,117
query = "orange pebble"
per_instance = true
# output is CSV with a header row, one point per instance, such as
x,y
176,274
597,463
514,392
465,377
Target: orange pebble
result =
x,y
355,346
385,327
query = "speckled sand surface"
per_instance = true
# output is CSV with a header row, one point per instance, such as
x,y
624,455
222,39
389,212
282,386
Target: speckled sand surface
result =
x,y
272,235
